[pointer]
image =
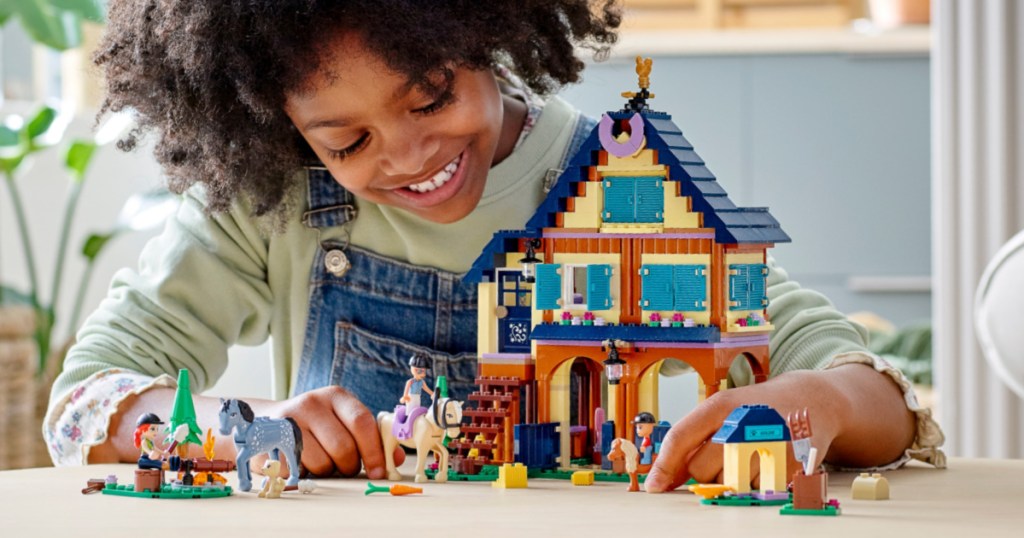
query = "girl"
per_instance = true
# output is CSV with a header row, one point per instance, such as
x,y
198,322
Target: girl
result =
x,y
341,163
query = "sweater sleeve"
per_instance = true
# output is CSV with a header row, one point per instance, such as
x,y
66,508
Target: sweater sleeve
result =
x,y
811,334
809,330
200,287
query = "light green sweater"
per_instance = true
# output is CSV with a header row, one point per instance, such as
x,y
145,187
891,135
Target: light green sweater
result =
x,y
207,283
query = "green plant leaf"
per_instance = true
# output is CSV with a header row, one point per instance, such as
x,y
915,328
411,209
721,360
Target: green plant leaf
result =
x,y
8,137
11,149
10,165
78,157
10,296
54,28
94,244
41,122
92,10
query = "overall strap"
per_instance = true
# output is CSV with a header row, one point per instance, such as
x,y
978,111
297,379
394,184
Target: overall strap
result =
x,y
329,203
581,130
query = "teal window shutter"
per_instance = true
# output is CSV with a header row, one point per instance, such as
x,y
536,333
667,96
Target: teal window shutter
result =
x,y
599,287
618,199
656,287
747,286
758,286
650,200
548,287
691,285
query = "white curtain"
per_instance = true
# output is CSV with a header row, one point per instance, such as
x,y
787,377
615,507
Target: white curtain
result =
x,y
977,205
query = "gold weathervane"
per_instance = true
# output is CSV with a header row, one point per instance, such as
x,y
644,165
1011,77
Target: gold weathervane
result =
x,y
643,71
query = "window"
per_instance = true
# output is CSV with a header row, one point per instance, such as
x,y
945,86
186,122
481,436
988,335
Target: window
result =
x,y
582,287
673,287
747,284
633,200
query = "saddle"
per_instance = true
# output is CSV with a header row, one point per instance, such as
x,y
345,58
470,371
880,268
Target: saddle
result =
x,y
401,428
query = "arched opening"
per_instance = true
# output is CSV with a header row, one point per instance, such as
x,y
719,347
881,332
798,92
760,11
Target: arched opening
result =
x,y
677,390
577,391
743,370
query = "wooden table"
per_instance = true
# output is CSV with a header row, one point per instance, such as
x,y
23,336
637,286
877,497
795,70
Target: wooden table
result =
x,y
972,498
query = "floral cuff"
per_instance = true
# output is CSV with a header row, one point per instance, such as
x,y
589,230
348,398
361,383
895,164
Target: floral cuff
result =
x,y
928,437
79,420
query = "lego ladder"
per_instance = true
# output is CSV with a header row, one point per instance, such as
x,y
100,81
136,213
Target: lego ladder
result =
x,y
492,422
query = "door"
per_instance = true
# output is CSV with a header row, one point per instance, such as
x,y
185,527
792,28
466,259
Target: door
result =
x,y
514,299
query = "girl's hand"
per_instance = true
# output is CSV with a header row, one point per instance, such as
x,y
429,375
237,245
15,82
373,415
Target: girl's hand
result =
x,y
339,435
687,451
858,419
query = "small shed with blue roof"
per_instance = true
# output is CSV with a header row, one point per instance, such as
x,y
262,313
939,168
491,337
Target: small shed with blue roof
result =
x,y
748,430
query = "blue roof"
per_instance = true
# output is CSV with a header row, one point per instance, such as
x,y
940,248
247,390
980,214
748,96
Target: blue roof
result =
x,y
752,424
732,224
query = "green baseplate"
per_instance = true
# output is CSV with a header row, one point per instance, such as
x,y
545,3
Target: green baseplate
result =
x,y
489,473
169,491
744,501
828,510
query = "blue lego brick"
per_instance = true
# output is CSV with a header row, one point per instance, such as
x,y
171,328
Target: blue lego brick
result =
x,y
655,114
663,126
717,203
658,435
633,333
697,172
588,152
666,142
501,242
748,217
537,445
607,436
702,188
759,235
685,156
752,424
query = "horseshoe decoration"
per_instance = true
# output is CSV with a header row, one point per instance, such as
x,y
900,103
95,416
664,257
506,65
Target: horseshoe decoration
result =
x,y
621,149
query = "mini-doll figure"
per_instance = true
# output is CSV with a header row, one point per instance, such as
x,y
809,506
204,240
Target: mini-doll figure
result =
x,y
406,415
147,427
414,387
645,423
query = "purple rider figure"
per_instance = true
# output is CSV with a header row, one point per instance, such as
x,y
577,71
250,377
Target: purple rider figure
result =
x,y
412,397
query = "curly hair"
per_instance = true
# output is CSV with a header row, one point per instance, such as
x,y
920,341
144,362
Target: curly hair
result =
x,y
210,77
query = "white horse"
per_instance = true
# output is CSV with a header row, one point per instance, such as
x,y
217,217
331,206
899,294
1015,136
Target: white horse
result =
x,y
428,433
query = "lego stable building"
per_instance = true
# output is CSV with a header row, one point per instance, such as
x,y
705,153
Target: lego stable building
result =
x,y
635,257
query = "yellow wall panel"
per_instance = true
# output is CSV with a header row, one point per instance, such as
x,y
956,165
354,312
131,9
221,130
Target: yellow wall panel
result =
x,y
487,322
588,208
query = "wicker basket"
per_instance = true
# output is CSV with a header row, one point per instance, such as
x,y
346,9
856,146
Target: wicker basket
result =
x,y
19,427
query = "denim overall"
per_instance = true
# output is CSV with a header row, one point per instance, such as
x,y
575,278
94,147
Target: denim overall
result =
x,y
365,324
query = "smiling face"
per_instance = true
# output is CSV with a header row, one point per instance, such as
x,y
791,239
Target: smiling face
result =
x,y
393,144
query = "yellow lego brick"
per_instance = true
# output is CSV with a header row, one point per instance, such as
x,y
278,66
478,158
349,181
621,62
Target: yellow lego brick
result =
x,y
625,228
871,487
583,478
511,476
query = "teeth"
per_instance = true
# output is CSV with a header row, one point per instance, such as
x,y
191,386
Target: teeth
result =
x,y
438,179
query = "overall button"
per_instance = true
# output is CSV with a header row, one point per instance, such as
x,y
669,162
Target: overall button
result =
x,y
337,263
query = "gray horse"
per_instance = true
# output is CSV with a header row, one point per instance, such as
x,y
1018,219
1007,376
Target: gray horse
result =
x,y
255,435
